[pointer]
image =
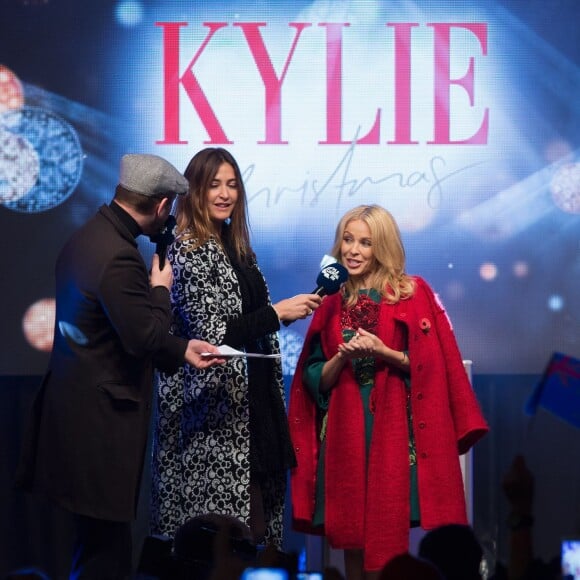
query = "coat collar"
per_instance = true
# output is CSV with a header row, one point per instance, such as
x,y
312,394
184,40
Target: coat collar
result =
x,y
119,224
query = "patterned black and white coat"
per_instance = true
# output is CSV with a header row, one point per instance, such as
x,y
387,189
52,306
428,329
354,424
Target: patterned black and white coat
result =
x,y
201,448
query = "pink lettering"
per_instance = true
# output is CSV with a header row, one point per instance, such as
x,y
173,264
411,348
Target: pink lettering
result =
x,y
172,80
272,83
443,82
402,83
334,91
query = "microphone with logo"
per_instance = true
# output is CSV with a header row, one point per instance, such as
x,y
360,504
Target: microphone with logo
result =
x,y
328,281
163,239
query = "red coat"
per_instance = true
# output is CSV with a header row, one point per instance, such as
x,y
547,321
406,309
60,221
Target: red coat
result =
x,y
369,507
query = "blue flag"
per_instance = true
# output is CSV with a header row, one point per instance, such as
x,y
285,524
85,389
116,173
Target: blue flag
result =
x,y
559,389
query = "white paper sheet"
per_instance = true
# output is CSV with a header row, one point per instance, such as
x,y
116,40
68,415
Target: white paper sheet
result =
x,y
229,352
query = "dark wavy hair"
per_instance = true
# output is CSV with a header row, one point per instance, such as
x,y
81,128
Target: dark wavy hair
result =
x,y
192,213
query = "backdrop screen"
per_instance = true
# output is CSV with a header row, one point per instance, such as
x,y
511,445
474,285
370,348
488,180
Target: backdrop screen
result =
x,y
462,118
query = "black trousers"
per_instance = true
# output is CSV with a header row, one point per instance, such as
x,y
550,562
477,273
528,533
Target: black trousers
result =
x,y
103,550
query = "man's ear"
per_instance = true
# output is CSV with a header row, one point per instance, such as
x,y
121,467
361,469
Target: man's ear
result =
x,y
162,205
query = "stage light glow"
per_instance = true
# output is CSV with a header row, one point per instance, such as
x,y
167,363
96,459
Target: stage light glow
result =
x,y
565,188
506,201
488,271
555,302
527,202
455,290
129,13
520,269
38,324
11,94
557,150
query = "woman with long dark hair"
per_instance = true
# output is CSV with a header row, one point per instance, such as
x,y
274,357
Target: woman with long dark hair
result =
x,y
221,440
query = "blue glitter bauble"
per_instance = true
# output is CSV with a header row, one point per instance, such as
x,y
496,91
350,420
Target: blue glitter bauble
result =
x,y
59,152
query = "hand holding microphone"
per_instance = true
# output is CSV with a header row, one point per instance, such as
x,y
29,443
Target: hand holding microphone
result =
x,y
299,306
158,277
163,239
329,281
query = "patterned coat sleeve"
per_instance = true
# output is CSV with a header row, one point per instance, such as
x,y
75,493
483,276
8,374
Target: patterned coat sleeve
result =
x,y
202,295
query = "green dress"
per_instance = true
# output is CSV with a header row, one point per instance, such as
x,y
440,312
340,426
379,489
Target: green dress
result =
x,y
364,371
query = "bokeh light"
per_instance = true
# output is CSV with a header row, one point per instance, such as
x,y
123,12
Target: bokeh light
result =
x,y
455,290
38,324
565,187
555,302
129,13
488,271
520,269
11,93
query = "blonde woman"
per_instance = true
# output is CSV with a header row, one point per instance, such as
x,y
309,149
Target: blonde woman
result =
x,y
380,405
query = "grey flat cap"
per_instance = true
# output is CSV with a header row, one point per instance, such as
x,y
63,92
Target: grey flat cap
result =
x,y
151,175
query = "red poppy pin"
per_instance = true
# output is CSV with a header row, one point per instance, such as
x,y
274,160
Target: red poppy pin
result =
x,y
425,325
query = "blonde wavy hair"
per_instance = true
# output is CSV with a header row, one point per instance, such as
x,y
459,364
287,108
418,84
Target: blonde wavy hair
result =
x,y
192,213
387,275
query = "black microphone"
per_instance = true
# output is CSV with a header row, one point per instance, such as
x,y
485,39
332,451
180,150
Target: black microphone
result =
x,y
163,239
328,281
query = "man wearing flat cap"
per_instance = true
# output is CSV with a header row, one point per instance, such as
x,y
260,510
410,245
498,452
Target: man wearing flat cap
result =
x,y
85,447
